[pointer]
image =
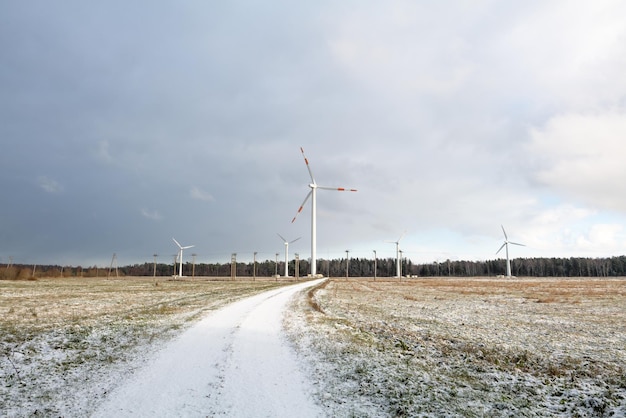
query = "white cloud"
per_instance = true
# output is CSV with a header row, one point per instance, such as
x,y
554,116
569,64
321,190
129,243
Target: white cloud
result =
x,y
583,156
199,194
153,215
49,185
566,230
550,229
602,237
570,52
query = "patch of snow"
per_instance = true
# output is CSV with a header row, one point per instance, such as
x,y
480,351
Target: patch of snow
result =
x,y
234,362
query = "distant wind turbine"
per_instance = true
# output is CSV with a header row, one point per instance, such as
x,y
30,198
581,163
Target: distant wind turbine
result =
x,y
313,195
287,252
180,256
398,265
506,246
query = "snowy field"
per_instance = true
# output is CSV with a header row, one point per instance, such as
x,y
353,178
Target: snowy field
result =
x,y
466,347
66,343
365,348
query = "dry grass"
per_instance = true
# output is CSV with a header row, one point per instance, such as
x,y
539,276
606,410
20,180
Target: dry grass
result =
x,y
419,347
49,302
476,347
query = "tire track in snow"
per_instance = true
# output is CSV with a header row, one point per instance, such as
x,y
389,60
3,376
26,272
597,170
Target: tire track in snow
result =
x,y
234,362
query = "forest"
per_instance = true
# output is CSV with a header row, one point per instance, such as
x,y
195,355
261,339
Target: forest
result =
x,y
353,267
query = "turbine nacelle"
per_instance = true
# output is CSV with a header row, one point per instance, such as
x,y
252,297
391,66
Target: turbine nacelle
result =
x,y
181,247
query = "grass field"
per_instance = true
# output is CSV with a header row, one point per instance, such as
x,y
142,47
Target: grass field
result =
x,y
468,347
417,347
65,342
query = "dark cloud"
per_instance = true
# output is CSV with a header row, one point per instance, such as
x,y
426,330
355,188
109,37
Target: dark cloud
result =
x,y
124,124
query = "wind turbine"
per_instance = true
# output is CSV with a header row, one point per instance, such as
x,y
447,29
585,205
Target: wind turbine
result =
x,y
180,256
506,246
398,266
287,252
313,195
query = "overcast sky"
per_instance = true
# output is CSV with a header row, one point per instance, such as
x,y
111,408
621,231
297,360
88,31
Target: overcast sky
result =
x,y
124,124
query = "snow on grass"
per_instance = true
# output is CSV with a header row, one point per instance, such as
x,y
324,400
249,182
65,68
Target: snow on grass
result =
x,y
466,347
65,343
432,347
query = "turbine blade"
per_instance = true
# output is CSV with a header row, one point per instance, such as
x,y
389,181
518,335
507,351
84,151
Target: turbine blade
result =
x,y
189,246
339,189
281,237
501,248
302,205
515,243
308,167
402,236
179,246
295,240
505,237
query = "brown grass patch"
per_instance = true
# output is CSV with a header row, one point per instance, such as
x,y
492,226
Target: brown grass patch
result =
x,y
311,300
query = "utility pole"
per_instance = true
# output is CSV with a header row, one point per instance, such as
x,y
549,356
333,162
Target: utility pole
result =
x,y
254,266
193,265
297,266
113,260
400,264
276,267
233,266
375,261
347,262
154,269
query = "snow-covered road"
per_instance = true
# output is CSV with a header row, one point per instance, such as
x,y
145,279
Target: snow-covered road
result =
x,y
235,362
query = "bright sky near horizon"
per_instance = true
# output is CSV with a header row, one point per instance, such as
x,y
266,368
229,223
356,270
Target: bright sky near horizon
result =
x,y
124,124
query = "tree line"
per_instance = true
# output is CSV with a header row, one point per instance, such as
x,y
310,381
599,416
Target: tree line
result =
x,y
352,267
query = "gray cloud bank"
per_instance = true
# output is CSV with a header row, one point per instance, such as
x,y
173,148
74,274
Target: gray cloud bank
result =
x,y
124,124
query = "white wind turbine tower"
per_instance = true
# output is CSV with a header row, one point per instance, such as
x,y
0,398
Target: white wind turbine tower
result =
x,y
180,256
287,252
313,195
398,265
506,246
